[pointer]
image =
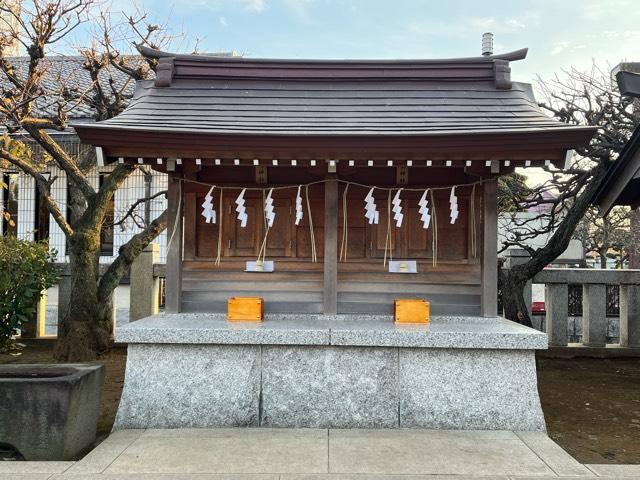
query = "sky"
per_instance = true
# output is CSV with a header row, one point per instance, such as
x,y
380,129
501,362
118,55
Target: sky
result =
x,y
558,33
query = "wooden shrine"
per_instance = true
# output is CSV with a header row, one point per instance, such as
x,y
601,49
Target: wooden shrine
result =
x,y
240,122
331,170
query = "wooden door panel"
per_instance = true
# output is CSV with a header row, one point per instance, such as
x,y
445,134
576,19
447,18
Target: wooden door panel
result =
x,y
280,239
378,235
356,242
303,242
302,238
418,240
206,237
452,239
242,242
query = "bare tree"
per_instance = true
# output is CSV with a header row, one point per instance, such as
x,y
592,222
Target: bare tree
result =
x,y
560,203
86,325
600,235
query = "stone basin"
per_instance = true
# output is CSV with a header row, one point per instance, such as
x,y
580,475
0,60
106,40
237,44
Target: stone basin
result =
x,y
50,412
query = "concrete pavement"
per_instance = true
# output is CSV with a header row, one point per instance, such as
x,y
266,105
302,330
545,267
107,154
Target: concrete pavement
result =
x,y
314,454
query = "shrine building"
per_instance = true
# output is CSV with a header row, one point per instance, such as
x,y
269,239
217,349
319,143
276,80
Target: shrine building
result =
x,y
330,189
333,126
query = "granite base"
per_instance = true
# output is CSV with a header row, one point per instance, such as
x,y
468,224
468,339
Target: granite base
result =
x,y
324,373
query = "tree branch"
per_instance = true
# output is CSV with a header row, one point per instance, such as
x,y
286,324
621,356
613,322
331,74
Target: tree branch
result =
x,y
63,159
127,254
43,187
135,205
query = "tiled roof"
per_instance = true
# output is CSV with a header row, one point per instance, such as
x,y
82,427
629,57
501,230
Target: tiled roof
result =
x,y
313,97
67,71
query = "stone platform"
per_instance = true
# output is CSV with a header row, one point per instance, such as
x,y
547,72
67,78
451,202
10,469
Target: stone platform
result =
x,y
198,370
310,454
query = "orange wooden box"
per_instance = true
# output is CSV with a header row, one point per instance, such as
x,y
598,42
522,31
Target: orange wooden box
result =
x,y
245,309
409,310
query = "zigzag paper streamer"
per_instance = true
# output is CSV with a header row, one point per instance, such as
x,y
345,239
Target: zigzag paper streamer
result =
x,y
298,206
371,211
208,211
453,202
397,209
241,210
425,217
268,209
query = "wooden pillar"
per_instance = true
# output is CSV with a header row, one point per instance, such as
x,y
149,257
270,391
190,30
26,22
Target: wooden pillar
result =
x,y
331,245
173,282
489,281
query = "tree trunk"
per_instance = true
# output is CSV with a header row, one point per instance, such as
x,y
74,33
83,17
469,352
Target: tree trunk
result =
x,y
603,259
86,326
513,280
511,286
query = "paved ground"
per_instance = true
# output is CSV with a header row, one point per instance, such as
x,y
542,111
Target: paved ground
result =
x,y
272,454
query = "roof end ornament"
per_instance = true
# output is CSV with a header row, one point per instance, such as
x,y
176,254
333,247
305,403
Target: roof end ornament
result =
x,y
164,72
487,44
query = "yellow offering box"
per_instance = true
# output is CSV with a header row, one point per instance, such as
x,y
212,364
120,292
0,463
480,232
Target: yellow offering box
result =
x,y
245,309
409,310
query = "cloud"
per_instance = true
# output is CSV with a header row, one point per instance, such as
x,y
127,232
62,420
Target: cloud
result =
x,y
504,25
254,5
223,21
599,9
301,9
566,46
559,47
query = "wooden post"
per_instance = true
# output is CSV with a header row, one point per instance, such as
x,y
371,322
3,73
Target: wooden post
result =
x,y
489,285
174,254
331,245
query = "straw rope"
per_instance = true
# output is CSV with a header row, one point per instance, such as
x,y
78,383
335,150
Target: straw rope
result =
x,y
343,244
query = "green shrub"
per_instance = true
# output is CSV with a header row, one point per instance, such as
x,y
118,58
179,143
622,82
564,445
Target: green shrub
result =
x,y
26,269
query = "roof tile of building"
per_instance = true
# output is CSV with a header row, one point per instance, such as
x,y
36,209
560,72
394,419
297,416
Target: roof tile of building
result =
x,y
68,72
312,97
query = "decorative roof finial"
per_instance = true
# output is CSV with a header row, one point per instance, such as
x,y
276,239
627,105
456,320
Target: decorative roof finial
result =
x,y
487,44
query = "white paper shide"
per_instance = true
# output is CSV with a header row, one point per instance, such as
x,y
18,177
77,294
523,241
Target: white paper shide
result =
x,y
371,211
425,217
269,213
397,209
208,212
453,202
241,210
298,206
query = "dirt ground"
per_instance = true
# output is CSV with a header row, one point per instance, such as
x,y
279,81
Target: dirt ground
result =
x,y
592,406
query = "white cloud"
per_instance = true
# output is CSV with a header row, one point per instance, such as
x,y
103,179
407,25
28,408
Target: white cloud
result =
x,y
515,24
599,9
301,9
485,23
223,21
502,25
559,47
254,5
